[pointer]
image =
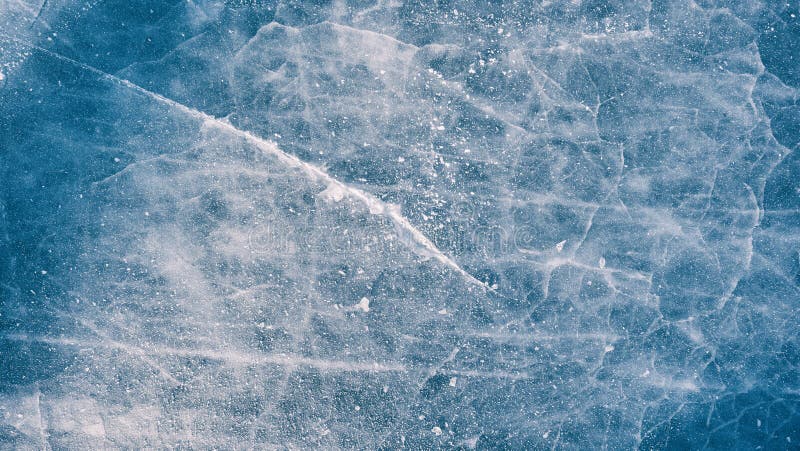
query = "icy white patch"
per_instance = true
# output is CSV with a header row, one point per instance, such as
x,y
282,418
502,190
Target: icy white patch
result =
x,y
333,192
363,305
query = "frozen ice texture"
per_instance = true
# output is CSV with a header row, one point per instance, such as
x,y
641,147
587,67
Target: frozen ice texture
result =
x,y
387,225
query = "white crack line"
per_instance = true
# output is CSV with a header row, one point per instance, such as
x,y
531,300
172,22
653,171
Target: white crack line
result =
x,y
410,235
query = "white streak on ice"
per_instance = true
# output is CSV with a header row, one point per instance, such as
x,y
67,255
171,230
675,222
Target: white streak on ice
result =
x,y
408,234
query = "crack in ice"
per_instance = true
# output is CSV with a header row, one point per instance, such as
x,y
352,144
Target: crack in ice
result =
x,y
410,235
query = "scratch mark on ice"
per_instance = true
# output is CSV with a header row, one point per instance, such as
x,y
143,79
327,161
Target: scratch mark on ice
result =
x,y
412,237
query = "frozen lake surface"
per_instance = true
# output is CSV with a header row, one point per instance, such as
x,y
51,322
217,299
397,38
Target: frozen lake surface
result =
x,y
366,224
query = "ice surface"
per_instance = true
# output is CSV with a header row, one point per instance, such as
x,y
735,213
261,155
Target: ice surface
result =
x,y
399,225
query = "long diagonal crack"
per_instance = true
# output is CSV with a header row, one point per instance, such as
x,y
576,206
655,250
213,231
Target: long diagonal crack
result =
x,y
409,235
